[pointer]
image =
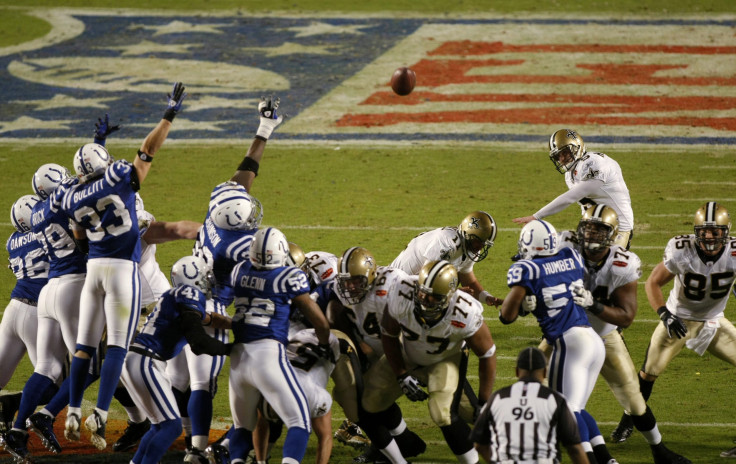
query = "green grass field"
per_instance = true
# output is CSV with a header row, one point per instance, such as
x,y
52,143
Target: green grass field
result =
x,y
333,197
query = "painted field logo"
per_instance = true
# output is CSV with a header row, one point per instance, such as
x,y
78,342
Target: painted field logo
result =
x,y
497,79
650,83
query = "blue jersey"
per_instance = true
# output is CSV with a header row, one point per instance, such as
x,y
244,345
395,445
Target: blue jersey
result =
x,y
549,279
162,332
53,231
105,208
29,263
263,301
222,249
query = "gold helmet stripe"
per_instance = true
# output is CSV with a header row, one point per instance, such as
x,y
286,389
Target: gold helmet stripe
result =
x,y
435,271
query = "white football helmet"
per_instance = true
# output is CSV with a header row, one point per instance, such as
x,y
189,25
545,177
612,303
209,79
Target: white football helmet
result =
x,y
21,212
47,178
269,249
91,161
537,238
237,210
193,270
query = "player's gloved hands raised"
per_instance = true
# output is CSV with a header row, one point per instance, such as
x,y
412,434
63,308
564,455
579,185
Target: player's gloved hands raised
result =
x,y
269,118
672,323
580,295
103,129
411,386
528,304
175,98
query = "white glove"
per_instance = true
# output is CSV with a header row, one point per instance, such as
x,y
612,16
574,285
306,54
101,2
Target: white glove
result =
x,y
528,304
580,295
269,119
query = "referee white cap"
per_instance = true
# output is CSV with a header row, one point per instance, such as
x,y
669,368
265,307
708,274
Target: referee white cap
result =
x,y
531,359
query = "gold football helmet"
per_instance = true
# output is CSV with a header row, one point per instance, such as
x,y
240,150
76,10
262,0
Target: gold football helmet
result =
x,y
713,219
566,147
356,271
297,258
598,227
478,231
437,282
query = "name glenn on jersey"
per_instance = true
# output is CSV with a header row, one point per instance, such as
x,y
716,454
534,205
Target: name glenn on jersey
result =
x,y
254,282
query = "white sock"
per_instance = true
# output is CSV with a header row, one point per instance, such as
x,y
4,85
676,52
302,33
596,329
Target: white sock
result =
x,y
399,428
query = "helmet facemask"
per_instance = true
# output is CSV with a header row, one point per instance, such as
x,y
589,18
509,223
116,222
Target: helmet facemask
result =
x,y
477,233
711,238
712,226
436,283
429,307
566,148
595,236
352,288
356,271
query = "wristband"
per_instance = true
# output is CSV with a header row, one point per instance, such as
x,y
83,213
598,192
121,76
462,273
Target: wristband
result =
x,y
661,310
146,158
483,296
170,114
489,353
260,137
597,308
249,164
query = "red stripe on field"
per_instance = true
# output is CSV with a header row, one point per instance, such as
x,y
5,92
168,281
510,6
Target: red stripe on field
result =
x,y
468,47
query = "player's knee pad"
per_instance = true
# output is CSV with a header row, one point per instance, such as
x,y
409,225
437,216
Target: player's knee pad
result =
x,y
440,407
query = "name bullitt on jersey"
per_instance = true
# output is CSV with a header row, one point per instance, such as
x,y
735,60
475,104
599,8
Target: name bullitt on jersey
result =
x,y
254,282
80,195
562,265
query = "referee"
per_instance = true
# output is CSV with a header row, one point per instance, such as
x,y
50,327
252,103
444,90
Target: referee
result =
x,y
522,423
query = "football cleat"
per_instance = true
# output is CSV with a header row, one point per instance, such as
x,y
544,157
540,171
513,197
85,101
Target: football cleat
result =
x,y
351,435
9,405
218,454
196,456
132,435
71,427
371,455
43,425
15,442
410,444
96,426
664,455
729,454
623,430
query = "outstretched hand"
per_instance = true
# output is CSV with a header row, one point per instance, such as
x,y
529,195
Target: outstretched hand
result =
x,y
524,220
174,101
270,119
103,129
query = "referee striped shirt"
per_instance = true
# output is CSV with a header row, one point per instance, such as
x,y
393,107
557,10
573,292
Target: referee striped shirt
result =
x,y
523,422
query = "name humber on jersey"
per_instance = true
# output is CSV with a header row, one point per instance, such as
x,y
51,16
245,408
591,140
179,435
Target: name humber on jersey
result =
x,y
562,265
254,282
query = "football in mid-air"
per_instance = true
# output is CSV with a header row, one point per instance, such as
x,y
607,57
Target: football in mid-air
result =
x,y
403,81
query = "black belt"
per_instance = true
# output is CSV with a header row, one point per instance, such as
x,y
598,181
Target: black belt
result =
x,y
27,301
145,352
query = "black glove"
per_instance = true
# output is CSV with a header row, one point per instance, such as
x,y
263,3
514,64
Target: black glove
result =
x,y
672,323
410,385
174,101
323,351
103,129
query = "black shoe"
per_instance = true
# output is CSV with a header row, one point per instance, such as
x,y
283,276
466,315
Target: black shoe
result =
x,y
43,426
97,427
664,455
371,455
410,444
15,442
623,430
132,435
218,454
196,456
9,405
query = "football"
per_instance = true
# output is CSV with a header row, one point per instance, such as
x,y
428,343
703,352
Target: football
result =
x,y
403,81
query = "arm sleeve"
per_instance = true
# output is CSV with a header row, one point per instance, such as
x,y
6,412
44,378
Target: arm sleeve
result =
x,y
582,190
199,341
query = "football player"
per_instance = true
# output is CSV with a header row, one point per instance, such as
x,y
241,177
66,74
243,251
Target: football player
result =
x,y
362,290
609,296
550,275
233,216
102,206
435,322
591,178
265,289
19,325
461,246
703,266
176,320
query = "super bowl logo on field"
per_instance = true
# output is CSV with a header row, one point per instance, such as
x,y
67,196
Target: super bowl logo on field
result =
x,y
494,79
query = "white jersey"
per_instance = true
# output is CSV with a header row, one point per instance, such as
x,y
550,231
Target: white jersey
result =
x,y
153,281
313,373
701,288
434,245
322,266
367,314
424,345
614,191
